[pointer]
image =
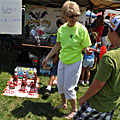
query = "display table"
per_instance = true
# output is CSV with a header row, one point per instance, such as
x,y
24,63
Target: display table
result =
x,y
30,45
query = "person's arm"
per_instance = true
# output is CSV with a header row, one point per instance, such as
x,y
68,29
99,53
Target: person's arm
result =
x,y
92,49
51,53
87,50
102,75
95,87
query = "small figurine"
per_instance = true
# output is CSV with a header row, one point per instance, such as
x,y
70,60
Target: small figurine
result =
x,y
23,86
12,85
15,78
24,81
32,88
25,76
35,77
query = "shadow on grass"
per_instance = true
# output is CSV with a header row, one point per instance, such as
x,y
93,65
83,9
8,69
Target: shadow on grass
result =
x,y
36,108
42,91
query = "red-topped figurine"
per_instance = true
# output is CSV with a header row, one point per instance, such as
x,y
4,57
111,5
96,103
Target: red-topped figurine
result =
x,y
32,88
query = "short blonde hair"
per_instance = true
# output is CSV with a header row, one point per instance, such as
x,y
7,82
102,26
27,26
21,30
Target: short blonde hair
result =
x,y
70,7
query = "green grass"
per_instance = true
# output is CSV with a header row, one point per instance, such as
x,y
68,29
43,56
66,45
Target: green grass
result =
x,y
12,108
15,108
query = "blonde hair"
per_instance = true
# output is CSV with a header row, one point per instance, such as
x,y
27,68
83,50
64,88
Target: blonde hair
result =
x,y
70,7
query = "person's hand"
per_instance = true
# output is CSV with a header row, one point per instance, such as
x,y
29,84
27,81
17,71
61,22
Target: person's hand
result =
x,y
44,64
97,50
88,51
82,101
92,49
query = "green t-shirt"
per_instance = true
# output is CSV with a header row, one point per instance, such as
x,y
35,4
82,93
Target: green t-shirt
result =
x,y
108,98
73,40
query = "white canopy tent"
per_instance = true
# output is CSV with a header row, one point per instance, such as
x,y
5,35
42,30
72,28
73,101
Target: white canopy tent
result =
x,y
90,14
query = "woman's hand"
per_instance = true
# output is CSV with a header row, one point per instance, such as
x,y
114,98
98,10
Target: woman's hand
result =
x,y
44,64
51,53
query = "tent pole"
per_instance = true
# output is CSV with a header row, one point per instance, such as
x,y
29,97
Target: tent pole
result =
x,y
90,14
103,11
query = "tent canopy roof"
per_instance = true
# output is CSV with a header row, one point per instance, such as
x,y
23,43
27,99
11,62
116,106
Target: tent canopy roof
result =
x,y
89,4
105,4
55,3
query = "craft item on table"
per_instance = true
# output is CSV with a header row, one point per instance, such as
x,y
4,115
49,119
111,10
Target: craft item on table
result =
x,y
32,88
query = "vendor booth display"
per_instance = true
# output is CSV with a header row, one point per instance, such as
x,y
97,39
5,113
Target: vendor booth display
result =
x,y
24,83
40,24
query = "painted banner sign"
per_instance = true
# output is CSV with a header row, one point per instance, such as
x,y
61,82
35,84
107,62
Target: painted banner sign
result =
x,y
44,18
10,16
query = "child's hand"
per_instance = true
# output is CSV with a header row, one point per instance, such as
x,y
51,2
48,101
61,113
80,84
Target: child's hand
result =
x,y
97,50
88,51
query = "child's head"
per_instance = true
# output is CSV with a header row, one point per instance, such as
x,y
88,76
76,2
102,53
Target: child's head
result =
x,y
59,22
93,37
89,28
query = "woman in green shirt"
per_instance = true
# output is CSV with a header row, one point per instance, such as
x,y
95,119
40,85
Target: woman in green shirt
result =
x,y
72,38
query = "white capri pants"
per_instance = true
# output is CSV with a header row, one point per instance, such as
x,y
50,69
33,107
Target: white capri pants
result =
x,y
68,77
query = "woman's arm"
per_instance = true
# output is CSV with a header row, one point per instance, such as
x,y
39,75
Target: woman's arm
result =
x,y
51,53
95,87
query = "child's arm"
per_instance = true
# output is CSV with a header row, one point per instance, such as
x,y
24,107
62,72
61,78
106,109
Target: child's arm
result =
x,y
92,49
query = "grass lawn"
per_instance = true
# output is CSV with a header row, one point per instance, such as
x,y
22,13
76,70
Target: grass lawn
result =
x,y
13,108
